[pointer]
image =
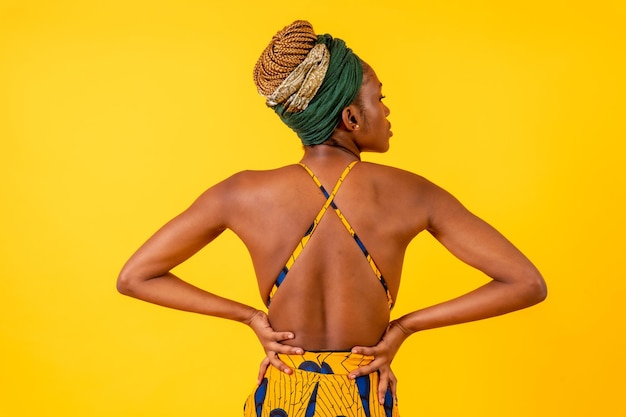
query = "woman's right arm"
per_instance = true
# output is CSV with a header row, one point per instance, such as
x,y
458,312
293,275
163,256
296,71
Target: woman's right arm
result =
x,y
515,283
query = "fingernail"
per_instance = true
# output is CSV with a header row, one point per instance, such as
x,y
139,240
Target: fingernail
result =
x,y
299,351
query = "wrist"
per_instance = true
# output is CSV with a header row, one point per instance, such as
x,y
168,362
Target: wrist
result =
x,y
250,316
401,327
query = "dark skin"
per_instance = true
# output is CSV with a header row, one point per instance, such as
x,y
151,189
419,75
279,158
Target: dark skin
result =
x,y
331,300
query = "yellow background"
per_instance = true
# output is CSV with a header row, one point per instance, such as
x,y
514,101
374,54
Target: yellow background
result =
x,y
115,115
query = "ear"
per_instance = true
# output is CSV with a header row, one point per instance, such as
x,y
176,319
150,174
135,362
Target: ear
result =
x,y
351,118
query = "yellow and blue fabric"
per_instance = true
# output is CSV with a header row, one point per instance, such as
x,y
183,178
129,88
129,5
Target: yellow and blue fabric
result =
x,y
307,236
320,387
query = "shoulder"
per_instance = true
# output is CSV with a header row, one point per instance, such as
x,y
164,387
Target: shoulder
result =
x,y
246,187
249,180
386,172
414,192
402,183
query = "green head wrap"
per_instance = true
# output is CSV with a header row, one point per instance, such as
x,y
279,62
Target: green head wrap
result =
x,y
341,84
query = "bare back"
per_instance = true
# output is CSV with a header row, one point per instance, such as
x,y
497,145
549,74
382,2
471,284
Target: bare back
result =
x,y
331,299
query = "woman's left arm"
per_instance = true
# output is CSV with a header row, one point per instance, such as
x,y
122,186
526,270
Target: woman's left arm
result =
x,y
146,275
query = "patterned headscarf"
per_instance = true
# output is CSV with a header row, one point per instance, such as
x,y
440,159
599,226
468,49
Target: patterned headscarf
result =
x,y
308,80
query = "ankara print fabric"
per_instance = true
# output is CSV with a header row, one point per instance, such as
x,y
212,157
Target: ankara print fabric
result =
x,y
319,387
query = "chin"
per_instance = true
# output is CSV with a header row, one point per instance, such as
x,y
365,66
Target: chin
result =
x,y
381,149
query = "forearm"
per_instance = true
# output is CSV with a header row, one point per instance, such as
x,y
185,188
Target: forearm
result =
x,y
170,291
493,299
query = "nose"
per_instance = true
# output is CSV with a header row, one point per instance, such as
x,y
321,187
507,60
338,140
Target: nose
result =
x,y
387,111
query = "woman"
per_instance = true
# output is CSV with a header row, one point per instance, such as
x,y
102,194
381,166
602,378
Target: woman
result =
x,y
327,238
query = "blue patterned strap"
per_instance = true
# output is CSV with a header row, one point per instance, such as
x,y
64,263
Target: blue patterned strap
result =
x,y
348,227
307,236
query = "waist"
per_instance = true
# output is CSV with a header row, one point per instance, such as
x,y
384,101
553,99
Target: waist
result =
x,y
329,329
338,363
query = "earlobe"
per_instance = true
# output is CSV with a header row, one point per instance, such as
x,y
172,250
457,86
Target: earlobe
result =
x,y
353,120
350,119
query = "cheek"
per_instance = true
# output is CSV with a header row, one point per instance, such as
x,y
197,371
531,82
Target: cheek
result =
x,y
381,116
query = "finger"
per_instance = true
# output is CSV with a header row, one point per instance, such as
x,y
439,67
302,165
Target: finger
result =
x,y
286,349
279,336
393,385
383,383
364,370
265,363
278,364
364,350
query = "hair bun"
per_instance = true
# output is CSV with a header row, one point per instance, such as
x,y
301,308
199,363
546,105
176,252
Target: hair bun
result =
x,y
285,52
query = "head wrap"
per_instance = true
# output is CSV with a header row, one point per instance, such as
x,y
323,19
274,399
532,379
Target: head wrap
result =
x,y
314,87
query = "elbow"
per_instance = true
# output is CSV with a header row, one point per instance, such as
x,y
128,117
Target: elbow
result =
x,y
125,283
536,288
544,291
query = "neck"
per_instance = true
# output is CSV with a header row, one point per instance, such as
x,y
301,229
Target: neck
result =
x,y
332,150
338,146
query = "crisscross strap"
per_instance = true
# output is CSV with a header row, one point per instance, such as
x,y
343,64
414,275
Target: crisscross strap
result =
x,y
307,236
